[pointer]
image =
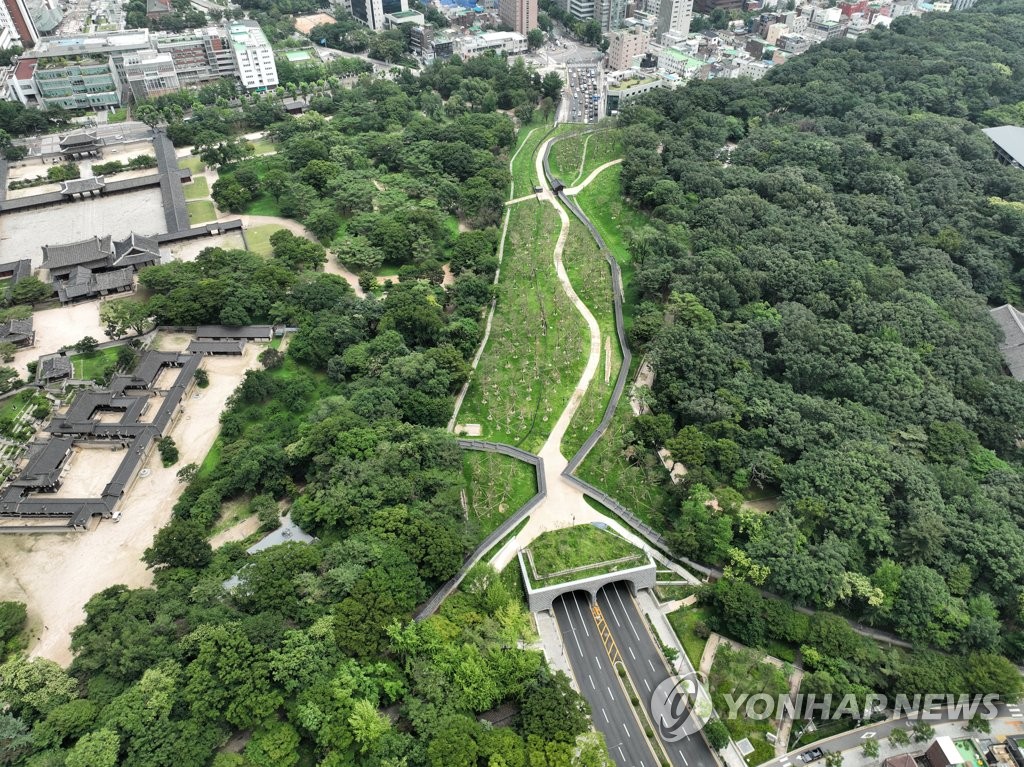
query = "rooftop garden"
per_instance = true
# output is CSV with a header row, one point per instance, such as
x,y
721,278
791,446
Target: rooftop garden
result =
x,y
573,553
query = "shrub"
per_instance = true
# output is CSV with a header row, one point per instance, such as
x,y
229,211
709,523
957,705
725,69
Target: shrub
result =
x,y
168,451
202,378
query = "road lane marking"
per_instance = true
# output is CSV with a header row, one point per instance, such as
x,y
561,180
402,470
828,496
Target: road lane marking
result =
x,y
625,612
583,623
592,685
681,754
598,663
632,654
647,685
651,665
606,719
628,735
610,693
620,753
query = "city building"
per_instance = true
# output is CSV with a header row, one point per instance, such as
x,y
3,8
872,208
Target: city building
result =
x,y
521,15
372,13
625,45
511,43
150,74
253,55
16,25
674,18
401,18
707,6
199,56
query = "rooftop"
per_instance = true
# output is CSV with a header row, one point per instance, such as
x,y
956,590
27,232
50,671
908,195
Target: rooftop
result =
x,y
1011,323
72,253
1009,138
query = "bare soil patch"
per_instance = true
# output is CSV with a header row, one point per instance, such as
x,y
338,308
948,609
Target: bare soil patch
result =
x,y
57,574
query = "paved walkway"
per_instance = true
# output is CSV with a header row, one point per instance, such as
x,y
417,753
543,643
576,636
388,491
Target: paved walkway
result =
x,y
593,174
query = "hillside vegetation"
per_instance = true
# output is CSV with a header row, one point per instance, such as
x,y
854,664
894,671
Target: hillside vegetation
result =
x,y
816,305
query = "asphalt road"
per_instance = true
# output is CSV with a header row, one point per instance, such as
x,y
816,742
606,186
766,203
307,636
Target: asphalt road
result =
x,y
599,683
646,667
581,89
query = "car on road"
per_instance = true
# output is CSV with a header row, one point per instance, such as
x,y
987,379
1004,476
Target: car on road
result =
x,y
812,755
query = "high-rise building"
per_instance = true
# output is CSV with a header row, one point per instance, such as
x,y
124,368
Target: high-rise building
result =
x,y
521,15
674,17
16,24
372,12
253,55
625,45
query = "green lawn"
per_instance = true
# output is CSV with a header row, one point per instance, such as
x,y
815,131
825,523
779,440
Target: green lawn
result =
x,y
264,205
258,238
684,620
615,219
88,366
668,592
191,162
11,408
200,211
566,158
496,487
583,546
117,116
591,278
212,459
603,146
735,672
524,169
198,189
263,146
538,343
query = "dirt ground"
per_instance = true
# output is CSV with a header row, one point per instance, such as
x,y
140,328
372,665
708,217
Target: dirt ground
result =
x,y
189,249
237,532
88,471
59,327
306,23
57,574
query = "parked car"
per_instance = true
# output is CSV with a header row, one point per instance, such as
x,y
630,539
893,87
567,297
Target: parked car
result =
x,y
812,755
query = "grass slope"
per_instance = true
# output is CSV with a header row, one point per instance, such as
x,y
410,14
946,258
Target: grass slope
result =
x,y
537,347
496,486
577,547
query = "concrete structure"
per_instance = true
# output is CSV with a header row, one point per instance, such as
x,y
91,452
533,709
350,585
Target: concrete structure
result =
x,y
623,91
16,25
625,45
1011,324
401,18
373,13
642,577
521,15
253,56
511,43
199,56
943,753
674,18
150,74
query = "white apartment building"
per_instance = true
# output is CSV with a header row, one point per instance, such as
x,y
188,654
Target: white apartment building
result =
x,y
253,55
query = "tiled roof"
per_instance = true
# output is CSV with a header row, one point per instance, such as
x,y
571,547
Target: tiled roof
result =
x,y
77,139
85,282
76,185
74,253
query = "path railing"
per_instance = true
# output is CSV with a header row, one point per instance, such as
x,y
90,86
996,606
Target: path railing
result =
x,y
510,523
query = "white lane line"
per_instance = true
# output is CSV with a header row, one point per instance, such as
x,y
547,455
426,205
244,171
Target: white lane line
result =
x,y
683,757
647,685
651,665
611,607
628,734
610,693
626,613
583,623
620,753
592,685
631,653
606,719
598,663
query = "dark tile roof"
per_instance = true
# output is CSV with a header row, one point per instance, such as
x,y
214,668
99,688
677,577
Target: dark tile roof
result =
x,y
18,270
216,347
85,282
52,368
44,464
231,331
16,331
77,139
78,185
128,250
74,253
1011,322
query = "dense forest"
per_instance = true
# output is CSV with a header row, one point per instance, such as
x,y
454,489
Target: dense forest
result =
x,y
822,250
306,654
